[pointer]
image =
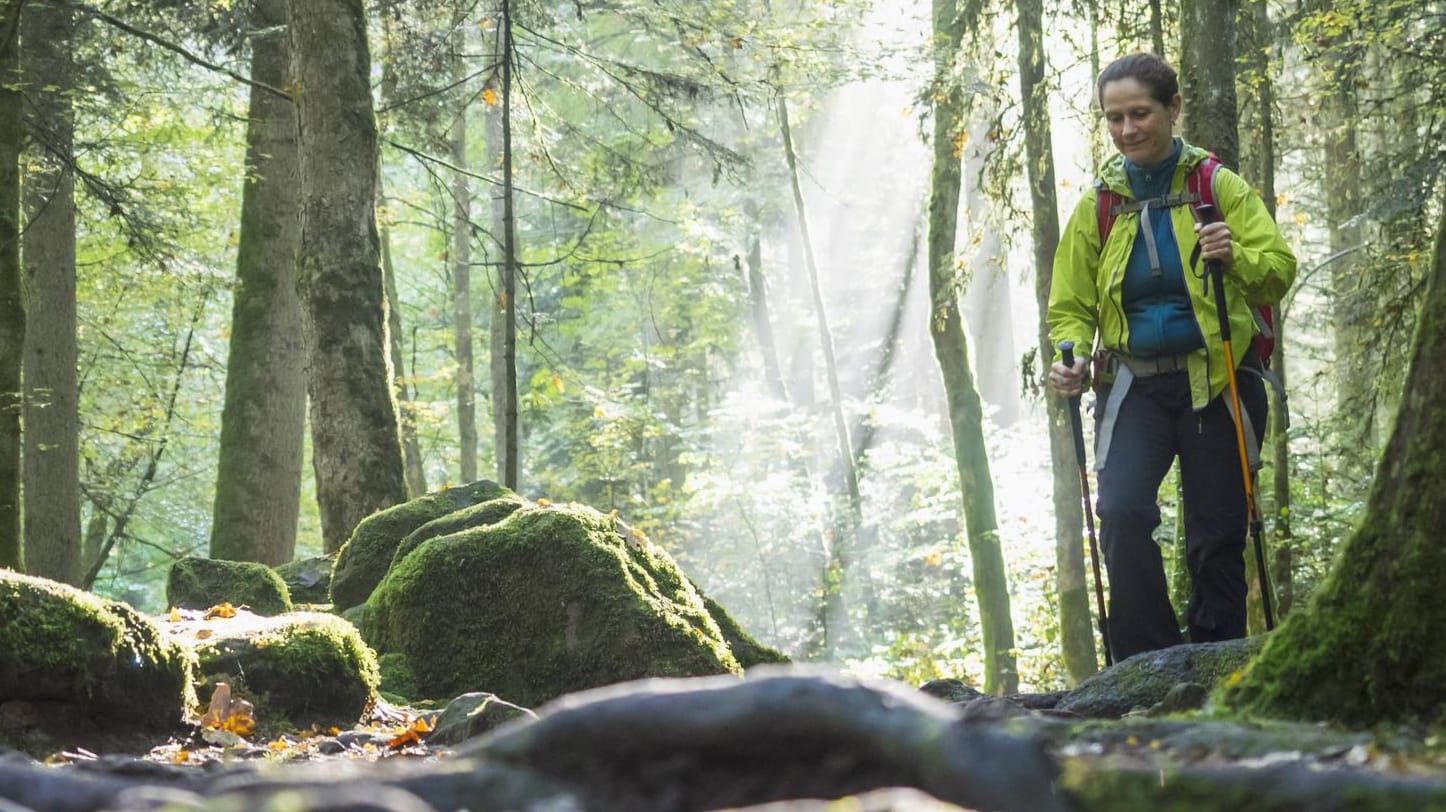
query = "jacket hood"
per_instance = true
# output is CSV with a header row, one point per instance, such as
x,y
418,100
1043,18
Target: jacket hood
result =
x,y
1113,176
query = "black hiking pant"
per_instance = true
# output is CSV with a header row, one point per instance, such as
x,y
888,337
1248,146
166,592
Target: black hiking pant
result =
x,y
1154,425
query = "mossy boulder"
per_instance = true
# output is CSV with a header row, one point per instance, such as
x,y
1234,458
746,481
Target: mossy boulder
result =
x,y
308,579
484,513
550,600
366,556
748,651
200,583
60,644
1146,679
299,669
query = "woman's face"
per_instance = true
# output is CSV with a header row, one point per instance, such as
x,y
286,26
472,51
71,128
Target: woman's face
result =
x,y
1140,126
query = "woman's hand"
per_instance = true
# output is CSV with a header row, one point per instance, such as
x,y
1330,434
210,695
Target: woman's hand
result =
x,y
1067,381
1214,240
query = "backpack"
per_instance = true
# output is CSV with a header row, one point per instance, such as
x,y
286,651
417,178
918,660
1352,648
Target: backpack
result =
x,y
1199,191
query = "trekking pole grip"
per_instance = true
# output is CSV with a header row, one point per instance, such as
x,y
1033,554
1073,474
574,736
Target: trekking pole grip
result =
x,y
1209,214
1066,352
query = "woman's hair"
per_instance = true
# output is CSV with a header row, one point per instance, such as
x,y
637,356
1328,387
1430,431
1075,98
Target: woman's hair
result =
x,y
1149,70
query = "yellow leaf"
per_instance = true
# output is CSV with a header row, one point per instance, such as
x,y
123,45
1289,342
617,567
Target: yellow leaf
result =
x,y
1300,219
960,139
202,634
597,411
934,558
489,97
181,757
543,502
558,384
1280,200
175,616
221,610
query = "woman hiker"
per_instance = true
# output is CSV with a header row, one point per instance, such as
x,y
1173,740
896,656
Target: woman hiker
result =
x,y
1133,277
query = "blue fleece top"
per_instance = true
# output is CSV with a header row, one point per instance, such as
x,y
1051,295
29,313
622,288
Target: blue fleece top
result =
x,y
1157,305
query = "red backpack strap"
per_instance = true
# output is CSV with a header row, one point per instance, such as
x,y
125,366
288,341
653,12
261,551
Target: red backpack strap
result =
x,y
1201,183
1107,208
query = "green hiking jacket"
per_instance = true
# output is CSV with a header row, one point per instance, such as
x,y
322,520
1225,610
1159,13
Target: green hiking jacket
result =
x,y
1084,297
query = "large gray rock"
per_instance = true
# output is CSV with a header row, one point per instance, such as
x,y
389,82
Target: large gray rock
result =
x,y
550,600
308,579
471,715
366,556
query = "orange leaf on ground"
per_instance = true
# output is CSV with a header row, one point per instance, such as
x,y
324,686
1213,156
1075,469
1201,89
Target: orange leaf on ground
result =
x,y
221,610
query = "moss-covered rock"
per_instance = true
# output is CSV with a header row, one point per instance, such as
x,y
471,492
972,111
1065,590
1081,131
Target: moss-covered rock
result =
x,y
58,643
303,668
308,579
200,583
551,600
364,559
484,513
748,651
1145,679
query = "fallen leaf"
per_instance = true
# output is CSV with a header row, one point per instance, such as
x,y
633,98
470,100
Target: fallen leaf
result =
x,y
202,634
175,616
223,610
411,735
489,97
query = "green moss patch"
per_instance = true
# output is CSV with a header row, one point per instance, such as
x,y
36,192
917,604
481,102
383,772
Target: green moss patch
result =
x,y
366,556
490,512
200,583
58,643
301,669
551,600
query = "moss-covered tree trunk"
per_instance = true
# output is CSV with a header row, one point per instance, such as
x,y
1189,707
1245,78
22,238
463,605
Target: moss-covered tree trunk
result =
x,y
1076,632
951,349
1369,646
355,438
12,298
263,421
52,422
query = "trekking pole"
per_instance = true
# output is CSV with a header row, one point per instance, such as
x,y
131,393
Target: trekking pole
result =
x,y
1216,269
1066,349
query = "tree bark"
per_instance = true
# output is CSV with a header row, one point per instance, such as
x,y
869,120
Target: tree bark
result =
x,y
462,277
12,296
52,421
1368,647
758,301
1077,637
356,444
508,432
952,352
263,421
1207,76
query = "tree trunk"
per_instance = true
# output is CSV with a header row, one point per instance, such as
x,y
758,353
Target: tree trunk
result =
x,y
462,277
952,352
355,440
52,421
508,459
758,304
406,410
1077,637
263,421
1207,76
843,546
12,296
1368,647
1259,158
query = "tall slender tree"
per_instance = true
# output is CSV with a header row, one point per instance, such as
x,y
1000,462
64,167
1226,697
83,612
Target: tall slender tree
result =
x,y
263,421
462,269
12,295
505,334
1077,640
52,421
951,349
356,443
